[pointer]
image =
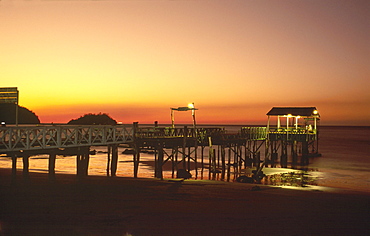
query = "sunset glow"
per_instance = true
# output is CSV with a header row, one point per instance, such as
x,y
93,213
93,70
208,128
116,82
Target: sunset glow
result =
x,y
234,59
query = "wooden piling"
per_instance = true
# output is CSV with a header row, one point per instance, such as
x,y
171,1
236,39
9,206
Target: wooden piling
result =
x,y
109,151
14,167
82,161
228,163
184,147
159,163
26,165
136,147
114,163
284,154
223,161
136,160
52,159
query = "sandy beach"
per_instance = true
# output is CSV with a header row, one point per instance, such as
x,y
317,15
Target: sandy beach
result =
x,y
100,205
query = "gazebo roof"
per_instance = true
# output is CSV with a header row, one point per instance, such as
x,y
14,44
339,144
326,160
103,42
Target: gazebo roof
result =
x,y
294,111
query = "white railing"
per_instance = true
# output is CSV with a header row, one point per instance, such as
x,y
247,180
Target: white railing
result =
x,y
61,136
254,133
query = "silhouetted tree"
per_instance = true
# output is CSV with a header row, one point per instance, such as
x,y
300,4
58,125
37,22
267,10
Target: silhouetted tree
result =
x,y
94,119
25,116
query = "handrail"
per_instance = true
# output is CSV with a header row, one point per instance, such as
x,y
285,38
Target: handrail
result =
x,y
19,138
201,134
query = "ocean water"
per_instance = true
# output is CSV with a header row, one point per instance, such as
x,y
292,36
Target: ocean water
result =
x,y
345,161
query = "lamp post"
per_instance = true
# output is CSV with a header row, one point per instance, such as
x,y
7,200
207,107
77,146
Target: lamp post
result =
x,y
190,107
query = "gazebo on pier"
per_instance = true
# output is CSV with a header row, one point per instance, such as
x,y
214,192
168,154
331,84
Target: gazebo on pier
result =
x,y
294,117
294,127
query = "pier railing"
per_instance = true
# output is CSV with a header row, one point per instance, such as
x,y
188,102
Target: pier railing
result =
x,y
168,132
254,133
292,134
17,138
274,133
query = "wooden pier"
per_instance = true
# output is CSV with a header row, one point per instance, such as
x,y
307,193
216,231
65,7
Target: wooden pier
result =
x,y
183,147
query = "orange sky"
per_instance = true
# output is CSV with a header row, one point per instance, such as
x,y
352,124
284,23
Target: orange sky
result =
x,y
233,59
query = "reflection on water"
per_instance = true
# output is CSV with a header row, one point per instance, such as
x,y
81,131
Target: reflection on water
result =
x,y
294,179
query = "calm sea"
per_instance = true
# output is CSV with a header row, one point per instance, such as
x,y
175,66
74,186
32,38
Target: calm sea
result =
x,y
345,160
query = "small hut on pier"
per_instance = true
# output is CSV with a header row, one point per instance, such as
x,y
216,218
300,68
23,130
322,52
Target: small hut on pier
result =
x,y
295,127
294,117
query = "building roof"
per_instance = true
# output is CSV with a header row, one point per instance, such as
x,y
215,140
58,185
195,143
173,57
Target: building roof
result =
x,y
294,111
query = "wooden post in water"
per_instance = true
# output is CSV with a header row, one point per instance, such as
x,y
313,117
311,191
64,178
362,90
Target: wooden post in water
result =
x,y
246,155
14,167
223,162
52,158
174,161
284,154
202,155
26,166
78,165
304,158
82,161
228,163
274,152
136,147
108,159
86,162
189,158
114,163
294,153
196,157
136,160
159,163
184,147
218,156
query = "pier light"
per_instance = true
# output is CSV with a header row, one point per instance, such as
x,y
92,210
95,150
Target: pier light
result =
x,y
190,107
315,112
296,121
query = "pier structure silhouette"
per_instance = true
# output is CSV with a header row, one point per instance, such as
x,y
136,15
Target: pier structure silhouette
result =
x,y
184,147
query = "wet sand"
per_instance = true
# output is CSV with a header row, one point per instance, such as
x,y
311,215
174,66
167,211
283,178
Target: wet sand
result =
x,y
100,205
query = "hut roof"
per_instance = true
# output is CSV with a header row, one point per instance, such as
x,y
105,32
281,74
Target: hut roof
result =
x,y
294,111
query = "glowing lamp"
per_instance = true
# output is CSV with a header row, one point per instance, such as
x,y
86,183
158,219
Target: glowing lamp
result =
x,y
191,105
